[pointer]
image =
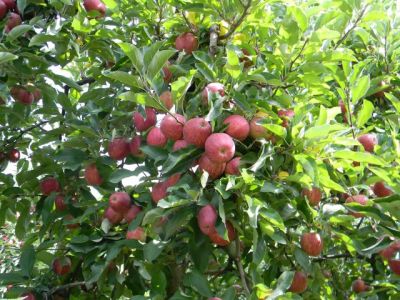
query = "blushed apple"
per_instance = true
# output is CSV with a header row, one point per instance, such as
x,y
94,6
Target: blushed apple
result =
x,y
141,124
156,138
214,169
220,147
238,127
186,42
196,131
172,126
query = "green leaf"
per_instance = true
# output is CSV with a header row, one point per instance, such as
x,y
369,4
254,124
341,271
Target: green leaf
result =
x,y
134,55
6,57
284,282
158,62
72,158
317,132
362,157
198,282
18,31
27,260
360,88
125,78
153,249
180,87
141,98
365,113
120,174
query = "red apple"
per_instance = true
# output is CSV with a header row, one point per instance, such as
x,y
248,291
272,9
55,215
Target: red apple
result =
x,y
167,74
95,5
37,95
196,131
313,195
172,126
214,169
394,265
257,130
206,219
131,213
219,240
212,88
21,95
28,296
120,201
179,144
232,167
136,234
134,146
156,138
159,191
60,203
166,99
62,265
49,185
13,21
238,127
14,155
380,190
143,124
361,199
92,175
368,141
343,109
359,286
3,10
311,243
118,149
11,4
299,283
187,42
219,147
113,216
171,181
390,251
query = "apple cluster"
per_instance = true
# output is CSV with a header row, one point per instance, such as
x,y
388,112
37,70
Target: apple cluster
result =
x,y
14,18
25,95
13,155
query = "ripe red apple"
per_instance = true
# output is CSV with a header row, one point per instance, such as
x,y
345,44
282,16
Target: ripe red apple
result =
x,y
390,251
196,131
14,155
37,95
49,185
59,202
134,146
381,190
159,191
313,195
136,234
359,286
394,265
118,149
212,88
28,296
214,169
95,5
206,219
219,240
258,130
113,216
172,126
21,95
220,147
120,201
311,243
142,124
232,167
186,41
131,213
13,21
3,10
299,283
62,265
368,141
171,181
238,127
179,144
361,199
92,175
167,74
343,109
11,4
156,138
166,99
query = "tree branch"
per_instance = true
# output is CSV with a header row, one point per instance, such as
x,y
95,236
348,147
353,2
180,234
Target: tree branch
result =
x,y
240,267
214,32
14,139
235,25
66,286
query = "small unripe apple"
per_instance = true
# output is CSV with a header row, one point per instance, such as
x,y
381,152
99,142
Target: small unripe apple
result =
x,y
118,149
206,219
179,144
62,265
136,234
214,169
113,216
131,213
187,42
313,195
380,190
196,131
14,155
212,88
220,147
166,99
141,124
343,109
60,203
361,199
359,286
311,243
95,5
159,191
3,10
13,21
49,185
92,175
21,95
156,138
120,201
219,240
172,126
167,74
394,265
299,283
232,167
238,127
368,141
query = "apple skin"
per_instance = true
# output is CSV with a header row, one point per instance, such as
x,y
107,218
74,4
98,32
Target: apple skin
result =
x,y
219,240
186,41
3,10
60,203
361,199
159,191
49,185
118,149
156,138
131,213
343,109
196,131
394,265
142,124
166,99
206,219
311,243
359,286
380,190
28,296
212,88
214,169
120,201
179,144
171,181
259,131
390,251
13,21
220,147
11,4
134,146
172,126
299,283
113,216
238,127
14,155
94,5
136,234
167,74
21,95
62,266
92,175
313,195
368,141
232,167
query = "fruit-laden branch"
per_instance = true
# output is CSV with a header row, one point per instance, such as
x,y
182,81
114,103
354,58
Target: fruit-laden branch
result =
x,y
239,21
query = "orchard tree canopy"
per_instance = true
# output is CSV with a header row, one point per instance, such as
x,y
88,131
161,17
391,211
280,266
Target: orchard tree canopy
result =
x,y
199,149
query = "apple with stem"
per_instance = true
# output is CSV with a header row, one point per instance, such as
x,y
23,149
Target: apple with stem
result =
x,y
172,126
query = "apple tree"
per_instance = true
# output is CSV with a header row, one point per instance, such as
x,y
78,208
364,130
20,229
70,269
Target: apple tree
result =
x,y
199,149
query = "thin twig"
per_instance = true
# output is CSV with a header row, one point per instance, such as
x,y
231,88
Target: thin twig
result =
x,y
240,267
298,55
214,32
66,286
14,139
236,24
